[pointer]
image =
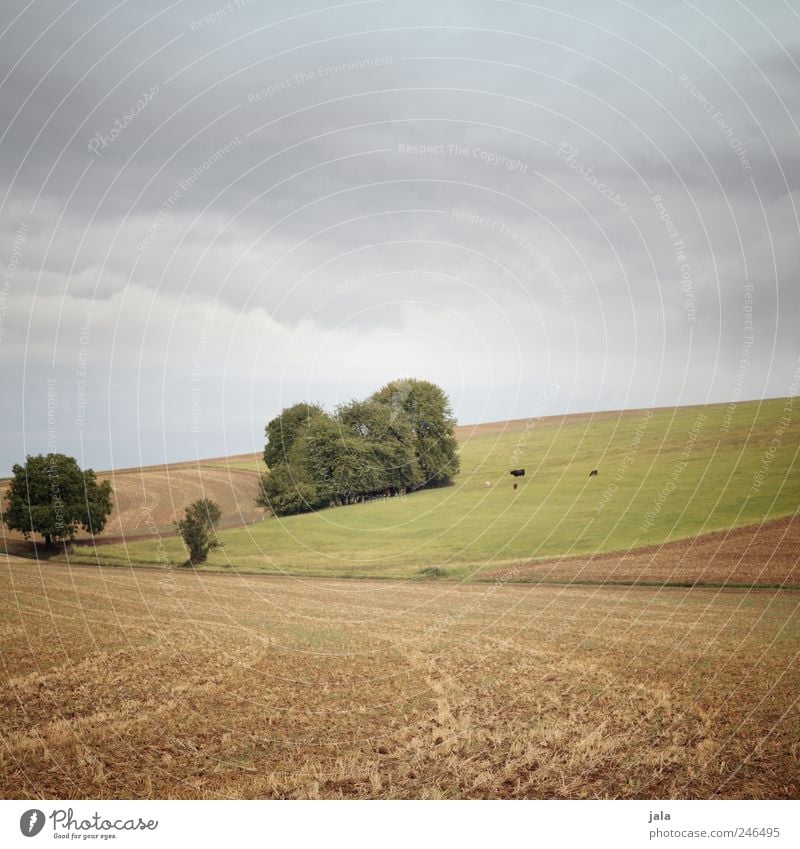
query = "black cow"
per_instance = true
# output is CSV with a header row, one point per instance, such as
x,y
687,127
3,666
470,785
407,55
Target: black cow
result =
x,y
593,473
518,473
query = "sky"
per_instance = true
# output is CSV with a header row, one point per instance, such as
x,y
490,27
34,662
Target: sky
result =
x,y
211,211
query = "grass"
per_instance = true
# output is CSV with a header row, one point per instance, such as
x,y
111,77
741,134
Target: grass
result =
x,y
121,683
663,476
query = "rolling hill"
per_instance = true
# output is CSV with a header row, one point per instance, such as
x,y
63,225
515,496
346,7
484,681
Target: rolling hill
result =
x,y
664,475
148,500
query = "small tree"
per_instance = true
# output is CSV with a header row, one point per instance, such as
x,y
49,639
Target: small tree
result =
x,y
197,528
51,496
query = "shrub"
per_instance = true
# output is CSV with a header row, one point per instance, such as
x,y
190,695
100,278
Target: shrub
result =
x,y
197,528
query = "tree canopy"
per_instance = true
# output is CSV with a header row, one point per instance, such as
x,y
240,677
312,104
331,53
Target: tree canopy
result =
x,y
428,411
283,430
51,496
399,439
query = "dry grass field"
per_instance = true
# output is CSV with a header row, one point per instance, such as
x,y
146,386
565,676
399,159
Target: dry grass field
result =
x,y
122,683
149,499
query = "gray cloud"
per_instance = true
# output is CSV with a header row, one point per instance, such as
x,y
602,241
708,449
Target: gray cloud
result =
x,y
307,201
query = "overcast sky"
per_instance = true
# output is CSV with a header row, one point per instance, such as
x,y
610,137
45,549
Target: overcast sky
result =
x,y
212,211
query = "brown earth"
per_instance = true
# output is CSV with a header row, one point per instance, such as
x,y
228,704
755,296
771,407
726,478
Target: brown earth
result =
x,y
122,683
768,553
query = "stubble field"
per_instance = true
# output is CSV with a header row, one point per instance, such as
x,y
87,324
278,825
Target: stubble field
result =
x,y
121,683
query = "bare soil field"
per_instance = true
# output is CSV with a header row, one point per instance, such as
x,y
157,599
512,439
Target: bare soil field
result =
x,y
150,499
119,683
766,554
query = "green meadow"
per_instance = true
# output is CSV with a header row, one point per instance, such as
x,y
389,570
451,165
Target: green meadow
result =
x,y
663,475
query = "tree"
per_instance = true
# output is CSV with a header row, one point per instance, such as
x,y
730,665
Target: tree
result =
x,y
318,456
284,429
197,527
51,496
391,442
283,492
432,421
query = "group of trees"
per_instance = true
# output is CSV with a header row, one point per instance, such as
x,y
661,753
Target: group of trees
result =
x,y
399,439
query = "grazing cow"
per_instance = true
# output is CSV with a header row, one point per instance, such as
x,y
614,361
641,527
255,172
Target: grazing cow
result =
x,y
593,473
487,483
515,486
518,473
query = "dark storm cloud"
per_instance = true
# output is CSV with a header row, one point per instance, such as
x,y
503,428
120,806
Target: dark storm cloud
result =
x,y
296,201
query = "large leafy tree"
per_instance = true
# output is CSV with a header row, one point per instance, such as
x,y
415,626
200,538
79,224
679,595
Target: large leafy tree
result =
x,y
319,455
51,496
391,441
284,429
430,416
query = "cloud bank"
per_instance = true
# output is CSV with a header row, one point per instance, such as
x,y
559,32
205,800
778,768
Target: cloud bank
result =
x,y
211,211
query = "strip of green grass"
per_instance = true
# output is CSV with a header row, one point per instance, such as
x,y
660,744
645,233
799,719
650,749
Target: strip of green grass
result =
x,y
664,476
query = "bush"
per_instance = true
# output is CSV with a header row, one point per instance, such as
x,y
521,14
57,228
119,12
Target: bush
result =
x,y
432,572
285,494
197,527
400,439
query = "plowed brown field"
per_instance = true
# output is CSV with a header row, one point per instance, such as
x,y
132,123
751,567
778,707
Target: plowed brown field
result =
x,y
125,684
760,554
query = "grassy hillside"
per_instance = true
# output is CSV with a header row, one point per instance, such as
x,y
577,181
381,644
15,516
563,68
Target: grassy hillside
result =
x,y
663,475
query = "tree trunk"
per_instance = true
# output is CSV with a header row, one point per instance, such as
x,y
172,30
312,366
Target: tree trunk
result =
x,y
48,541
